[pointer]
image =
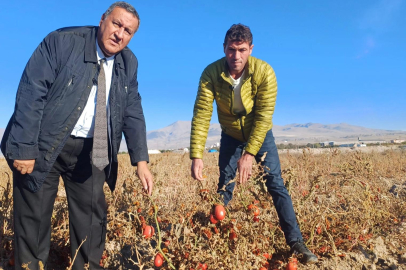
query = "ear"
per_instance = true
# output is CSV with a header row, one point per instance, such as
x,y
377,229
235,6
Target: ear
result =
x,y
251,47
101,20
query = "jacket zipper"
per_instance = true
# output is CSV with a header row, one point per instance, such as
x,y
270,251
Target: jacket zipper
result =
x,y
242,129
232,112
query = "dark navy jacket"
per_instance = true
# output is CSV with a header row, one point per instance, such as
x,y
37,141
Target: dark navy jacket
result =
x,y
52,93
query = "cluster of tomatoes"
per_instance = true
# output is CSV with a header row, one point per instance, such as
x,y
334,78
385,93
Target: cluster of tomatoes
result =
x,y
147,232
253,208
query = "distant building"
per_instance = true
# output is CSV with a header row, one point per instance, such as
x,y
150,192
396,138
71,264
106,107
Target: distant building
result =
x,y
153,152
361,145
329,143
347,145
398,141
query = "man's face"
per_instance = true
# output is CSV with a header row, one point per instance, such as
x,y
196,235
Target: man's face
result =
x,y
237,53
116,31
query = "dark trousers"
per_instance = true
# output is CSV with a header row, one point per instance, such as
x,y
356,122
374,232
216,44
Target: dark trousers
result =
x,y
231,151
86,203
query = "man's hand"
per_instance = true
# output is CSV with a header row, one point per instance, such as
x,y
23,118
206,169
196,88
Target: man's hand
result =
x,y
24,166
145,175
197,169
245,167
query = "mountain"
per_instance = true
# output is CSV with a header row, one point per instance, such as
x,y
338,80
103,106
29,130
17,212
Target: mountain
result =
x,y
177,135
313,132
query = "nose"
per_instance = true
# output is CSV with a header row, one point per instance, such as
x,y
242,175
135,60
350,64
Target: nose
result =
x,y
236,55
120,33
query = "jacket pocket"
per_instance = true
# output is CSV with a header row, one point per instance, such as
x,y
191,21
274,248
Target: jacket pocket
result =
x,y
59,111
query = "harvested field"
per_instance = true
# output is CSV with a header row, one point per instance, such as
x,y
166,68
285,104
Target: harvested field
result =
x,y
351,207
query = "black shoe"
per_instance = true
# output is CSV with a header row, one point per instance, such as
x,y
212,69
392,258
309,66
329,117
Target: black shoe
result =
x,y
303,253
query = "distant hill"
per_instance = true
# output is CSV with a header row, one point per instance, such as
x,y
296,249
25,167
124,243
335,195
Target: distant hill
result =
x,y
177,135
313,132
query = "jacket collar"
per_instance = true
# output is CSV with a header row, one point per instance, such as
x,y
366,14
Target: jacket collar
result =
x,y
90,49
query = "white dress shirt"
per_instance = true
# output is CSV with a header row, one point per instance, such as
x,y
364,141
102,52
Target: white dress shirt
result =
x,y
84,127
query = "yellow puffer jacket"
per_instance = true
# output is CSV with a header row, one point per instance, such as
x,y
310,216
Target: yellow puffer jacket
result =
x,y
258,94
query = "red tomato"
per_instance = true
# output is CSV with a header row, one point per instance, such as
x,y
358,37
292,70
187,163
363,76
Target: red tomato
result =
x,y
159,260
256,212
262,268
202,266
219,212
213,219
256,219
250,206
291,266
148,231
266,255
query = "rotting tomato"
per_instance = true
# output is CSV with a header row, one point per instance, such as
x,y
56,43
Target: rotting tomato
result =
x,y
159,260
219,212
256,212
213,219
148,231
232,235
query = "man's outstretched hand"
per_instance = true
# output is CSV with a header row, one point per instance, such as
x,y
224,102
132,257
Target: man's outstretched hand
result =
x,y
245,167
197,169
145,175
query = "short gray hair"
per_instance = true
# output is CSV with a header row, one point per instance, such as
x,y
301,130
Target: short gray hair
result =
x,y
128,7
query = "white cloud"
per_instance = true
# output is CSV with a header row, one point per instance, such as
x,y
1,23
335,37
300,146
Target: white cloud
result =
x,y
376,20
381,15
368,46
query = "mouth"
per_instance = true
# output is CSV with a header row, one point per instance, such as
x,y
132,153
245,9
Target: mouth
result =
x,y
114,42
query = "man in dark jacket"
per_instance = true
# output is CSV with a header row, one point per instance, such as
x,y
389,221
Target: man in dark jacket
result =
x,y
77,95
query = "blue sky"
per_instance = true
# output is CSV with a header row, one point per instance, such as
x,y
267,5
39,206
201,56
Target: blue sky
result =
x,y
335,61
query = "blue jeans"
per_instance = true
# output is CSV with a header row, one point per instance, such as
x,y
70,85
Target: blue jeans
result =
x,y
231,151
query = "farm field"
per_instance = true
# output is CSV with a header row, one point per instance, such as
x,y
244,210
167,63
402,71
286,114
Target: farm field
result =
x,y
351,208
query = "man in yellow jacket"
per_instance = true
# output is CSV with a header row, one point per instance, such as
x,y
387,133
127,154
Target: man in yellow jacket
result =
x,y
244,89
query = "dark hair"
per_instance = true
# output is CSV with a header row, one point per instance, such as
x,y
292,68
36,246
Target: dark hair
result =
x,y
128,7
238,32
